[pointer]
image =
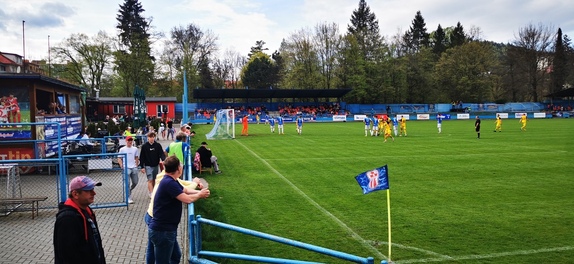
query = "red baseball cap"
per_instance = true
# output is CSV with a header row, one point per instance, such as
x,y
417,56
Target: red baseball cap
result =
x,y
129,138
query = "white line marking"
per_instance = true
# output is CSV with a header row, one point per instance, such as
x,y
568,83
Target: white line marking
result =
x,y
334,218
487,256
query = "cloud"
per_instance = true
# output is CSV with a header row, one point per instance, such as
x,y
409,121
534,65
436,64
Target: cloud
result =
x,y
49,15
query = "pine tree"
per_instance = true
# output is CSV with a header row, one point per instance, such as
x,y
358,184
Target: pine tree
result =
x,y
559,63
457,37
439,41
133,59
417,36
365,27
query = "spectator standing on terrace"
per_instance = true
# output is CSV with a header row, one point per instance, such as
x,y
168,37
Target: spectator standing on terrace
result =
x,y
439,118
132,163
367,122
76,234
498,124
272,124
151,155
523,122
403,126
299,125
280,125
207,157
477,126
245,122
162,229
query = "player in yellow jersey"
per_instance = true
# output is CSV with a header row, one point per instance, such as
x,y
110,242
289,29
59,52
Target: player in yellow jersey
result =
x,y
402,126
387,129
498,124
523,122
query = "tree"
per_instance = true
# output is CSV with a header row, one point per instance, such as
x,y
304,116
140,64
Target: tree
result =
x,y
301,60
258,72
417,36
327,41
534,43
257,48
365,28
559,64
439,41
457,36
134,62
466,73
87,61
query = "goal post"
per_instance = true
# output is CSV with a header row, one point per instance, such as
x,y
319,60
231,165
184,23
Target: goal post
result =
x,y
224,126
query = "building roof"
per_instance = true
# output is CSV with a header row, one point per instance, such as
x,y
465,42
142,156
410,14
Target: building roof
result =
x,y
42,78
5,60
271,93
131,99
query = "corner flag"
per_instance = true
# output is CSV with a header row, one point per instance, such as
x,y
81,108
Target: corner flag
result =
x,y
374,180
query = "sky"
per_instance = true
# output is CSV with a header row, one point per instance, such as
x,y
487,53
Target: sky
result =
x,y
238,24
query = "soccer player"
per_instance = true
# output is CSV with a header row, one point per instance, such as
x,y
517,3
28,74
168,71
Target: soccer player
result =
x,y
367,122
395,126
272,124
439,122
523,122
375,128
387,129
245,122
498,124
299,125
403,125
477,126
280,125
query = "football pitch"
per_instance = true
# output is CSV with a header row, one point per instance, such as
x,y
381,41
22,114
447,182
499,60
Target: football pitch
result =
x,y
506,198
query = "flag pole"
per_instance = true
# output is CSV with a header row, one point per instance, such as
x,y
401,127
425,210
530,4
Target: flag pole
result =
x,y
389,220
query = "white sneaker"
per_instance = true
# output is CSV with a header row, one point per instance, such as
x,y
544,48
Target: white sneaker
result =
x,y
130,201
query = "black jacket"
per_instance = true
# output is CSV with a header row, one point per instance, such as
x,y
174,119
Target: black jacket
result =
x,y
76,236
151,154
205,156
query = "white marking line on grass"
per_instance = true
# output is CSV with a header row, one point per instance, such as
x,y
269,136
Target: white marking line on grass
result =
x,y
426,155
334,218
356,236
487,256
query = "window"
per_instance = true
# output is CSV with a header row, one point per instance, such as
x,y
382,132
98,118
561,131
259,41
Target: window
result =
x,y
119,109
161,109
74,105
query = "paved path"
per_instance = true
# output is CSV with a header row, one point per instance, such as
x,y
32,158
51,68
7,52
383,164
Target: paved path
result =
x,y
124,233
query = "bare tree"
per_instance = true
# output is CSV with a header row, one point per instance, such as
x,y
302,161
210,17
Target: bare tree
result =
x,y
535,45
327,41
86,59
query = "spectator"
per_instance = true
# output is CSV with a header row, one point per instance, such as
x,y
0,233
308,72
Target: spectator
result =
x,y
76,234
86,142
132,163
206,157
162,228
151,156
179,148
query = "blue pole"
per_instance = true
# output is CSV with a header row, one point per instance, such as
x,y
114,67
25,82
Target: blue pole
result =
x,y
184,100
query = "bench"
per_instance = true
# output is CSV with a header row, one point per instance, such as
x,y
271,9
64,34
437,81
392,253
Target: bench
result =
x,y
17,202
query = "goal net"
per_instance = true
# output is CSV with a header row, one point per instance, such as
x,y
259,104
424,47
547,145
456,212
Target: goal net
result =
x,y
224,127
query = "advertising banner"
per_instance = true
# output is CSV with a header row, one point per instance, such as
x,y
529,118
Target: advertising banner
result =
x,y
502,115
423,117
339,118
462,116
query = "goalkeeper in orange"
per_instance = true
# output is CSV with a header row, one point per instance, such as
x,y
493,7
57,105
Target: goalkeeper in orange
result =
x,y
402,126
498,124
523,121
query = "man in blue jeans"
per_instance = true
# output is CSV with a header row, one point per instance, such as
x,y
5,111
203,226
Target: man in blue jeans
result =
x,y
162,229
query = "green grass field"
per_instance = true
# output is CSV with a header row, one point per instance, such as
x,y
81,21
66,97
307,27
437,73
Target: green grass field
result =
x,y
506,198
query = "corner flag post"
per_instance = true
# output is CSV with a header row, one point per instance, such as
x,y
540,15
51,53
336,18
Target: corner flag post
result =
x,y
374,180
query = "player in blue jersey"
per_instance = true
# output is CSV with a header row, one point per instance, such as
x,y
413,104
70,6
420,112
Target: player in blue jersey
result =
x,y
272,124
367,122
375,128
280,125
299,125
439,118
395,126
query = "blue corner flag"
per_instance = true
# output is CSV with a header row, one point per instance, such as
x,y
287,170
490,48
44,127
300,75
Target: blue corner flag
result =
x,y
374,180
